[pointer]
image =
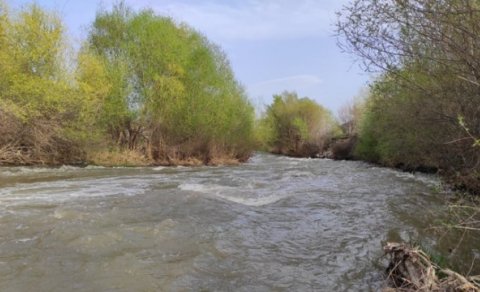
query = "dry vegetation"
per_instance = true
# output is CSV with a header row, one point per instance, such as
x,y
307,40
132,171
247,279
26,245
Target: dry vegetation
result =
x,y
410,269
118,158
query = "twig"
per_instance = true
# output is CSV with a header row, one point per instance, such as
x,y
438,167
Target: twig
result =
x,y
471,266
466,227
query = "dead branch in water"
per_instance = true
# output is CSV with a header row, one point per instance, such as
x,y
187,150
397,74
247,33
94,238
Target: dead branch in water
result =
x,y
410,269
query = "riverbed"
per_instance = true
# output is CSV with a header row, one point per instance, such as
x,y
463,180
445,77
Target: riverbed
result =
x,y
272,224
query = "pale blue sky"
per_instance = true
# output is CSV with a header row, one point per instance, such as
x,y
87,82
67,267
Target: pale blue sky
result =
x,y
273,45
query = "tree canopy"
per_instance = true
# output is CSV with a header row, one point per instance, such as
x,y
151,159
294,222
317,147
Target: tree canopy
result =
x,y
296,126
424,107
141,82
171,85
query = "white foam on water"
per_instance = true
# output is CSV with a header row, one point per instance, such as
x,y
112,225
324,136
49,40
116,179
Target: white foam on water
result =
x,y
29,170
424,178
65,190
22,240
95,167
224,192
204,188
253,202
298,158
18,171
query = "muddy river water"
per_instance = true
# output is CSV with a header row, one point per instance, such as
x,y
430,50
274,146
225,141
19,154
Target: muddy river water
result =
x,y
272,224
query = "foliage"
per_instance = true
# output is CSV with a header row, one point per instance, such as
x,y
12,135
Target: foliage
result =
x,y
296,126
423,111
142,83
36,98
93,86
174,91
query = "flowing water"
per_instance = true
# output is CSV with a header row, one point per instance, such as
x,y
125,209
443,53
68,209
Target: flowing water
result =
x,y
273,224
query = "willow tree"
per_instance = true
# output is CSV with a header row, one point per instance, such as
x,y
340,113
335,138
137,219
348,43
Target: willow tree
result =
x,y
37,100
5,60
296,126
173,92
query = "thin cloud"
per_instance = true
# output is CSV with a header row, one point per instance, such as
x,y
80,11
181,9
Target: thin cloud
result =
x,y
297,82
305,80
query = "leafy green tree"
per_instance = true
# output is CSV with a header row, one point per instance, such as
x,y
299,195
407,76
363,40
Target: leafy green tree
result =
x,y
424,109
94,86
142,83
296,126
173,92
37,95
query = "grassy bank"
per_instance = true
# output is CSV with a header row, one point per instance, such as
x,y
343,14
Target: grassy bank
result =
x,y
131,158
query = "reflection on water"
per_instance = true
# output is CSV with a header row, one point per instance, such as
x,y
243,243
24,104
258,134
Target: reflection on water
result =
x,y
274,223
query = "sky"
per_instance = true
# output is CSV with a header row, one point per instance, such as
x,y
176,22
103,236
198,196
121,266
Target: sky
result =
x,y
273,45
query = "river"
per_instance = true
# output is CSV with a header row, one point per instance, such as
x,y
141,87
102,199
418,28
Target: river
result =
x,y
272,224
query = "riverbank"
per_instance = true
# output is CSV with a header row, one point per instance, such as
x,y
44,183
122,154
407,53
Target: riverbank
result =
x,y
134,158
463,181
126,158
411,269
460,217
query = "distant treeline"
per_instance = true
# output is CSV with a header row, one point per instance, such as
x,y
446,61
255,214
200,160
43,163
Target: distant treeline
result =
x,y
296,126
142,89
423,112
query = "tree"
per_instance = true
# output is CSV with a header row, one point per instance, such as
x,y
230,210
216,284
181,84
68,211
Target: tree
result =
x,y
173,92
433,39
142,84
350,113
296,126
425,51
95,110
36,95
